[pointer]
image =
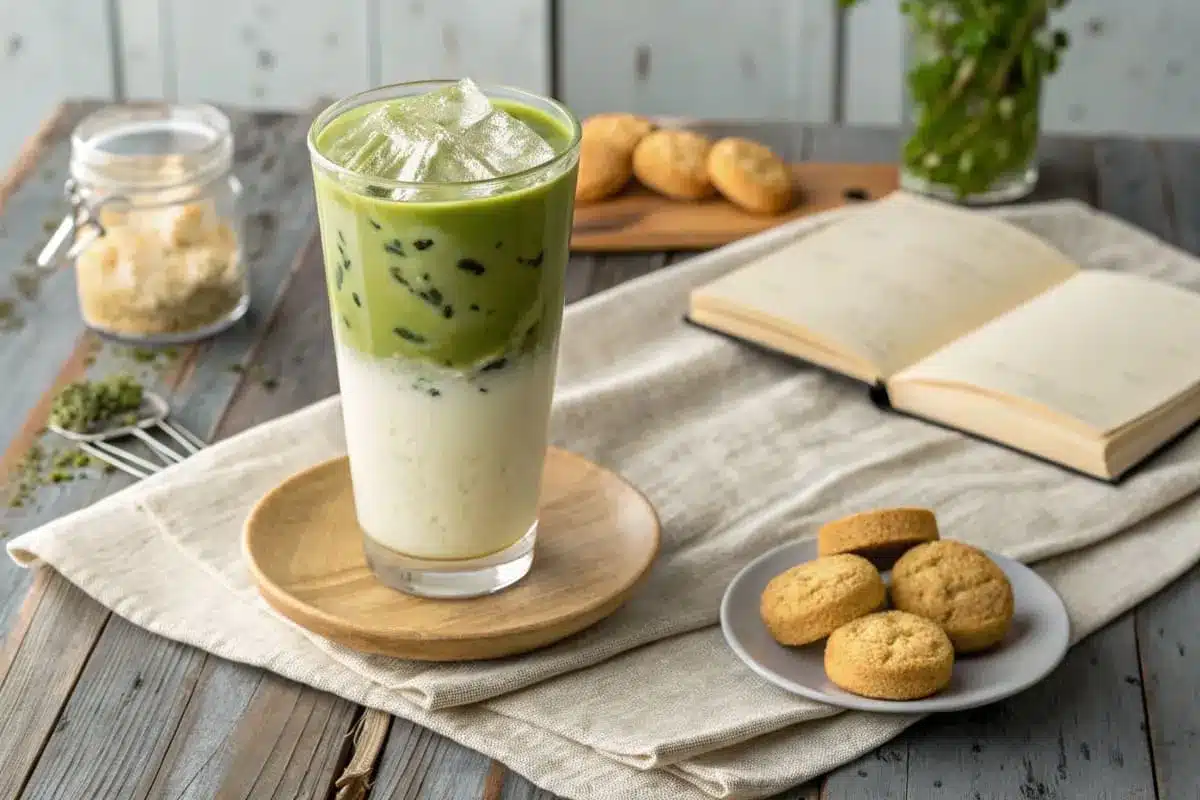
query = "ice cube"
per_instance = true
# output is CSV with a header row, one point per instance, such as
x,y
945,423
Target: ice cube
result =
x,y
506,143
366,146
450,135
455,107
431,154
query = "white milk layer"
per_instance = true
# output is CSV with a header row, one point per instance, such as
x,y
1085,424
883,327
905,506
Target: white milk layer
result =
x,y
445,466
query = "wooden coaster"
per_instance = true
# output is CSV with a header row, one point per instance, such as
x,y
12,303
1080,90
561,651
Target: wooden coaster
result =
x,y
639,219
597,536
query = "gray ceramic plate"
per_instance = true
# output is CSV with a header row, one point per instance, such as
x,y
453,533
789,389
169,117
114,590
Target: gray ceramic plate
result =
x,y
1035,645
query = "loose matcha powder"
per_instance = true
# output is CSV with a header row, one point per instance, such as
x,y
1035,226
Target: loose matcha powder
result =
x,y
86,405
80,406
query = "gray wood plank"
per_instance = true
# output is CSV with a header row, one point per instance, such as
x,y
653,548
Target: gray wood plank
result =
x,y
289,744
807,791
39,320
111,736
63,620
787,139
866,144
1078,733
1066,168
1130,184
1181,166
293,366
1168,641
580,269
616,268
518,788
201,749
274,166
417,764
880,775
1168,637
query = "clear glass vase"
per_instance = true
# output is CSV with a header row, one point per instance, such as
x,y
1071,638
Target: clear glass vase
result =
x,y
972,98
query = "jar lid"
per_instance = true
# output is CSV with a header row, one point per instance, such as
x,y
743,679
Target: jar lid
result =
x,y
150,146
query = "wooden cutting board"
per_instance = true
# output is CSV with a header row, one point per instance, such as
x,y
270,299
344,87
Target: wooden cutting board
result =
x,y
639,219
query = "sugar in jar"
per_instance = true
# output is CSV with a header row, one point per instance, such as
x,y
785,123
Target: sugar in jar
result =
x,y
155,224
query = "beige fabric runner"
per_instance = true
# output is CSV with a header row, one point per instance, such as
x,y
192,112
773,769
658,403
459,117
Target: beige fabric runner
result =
x,y
739,451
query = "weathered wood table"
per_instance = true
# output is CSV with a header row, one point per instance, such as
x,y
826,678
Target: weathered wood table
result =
x,y
93,707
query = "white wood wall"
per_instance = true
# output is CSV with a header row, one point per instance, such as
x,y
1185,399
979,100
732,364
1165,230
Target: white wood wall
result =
x,y
1133,67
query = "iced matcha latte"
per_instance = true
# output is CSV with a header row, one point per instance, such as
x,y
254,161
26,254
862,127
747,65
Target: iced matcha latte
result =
x,y
445,214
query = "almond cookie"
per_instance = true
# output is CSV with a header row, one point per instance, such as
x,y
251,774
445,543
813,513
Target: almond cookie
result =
x,y
620,130
750,175
891,655
958,587
672,163
603,171
807,602
880,535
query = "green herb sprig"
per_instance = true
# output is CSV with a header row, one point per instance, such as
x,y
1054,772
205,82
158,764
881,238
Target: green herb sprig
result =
x,y
974,83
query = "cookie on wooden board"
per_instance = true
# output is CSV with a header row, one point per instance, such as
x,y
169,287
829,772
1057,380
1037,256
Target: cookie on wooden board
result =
x,y
880,535
619,129
603,170
890,655
750,175
958,587
807,602
673,163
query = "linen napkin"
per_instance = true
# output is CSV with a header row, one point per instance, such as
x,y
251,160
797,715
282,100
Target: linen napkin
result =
x,y
739,451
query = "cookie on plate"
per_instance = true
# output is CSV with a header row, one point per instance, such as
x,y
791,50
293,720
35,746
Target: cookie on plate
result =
x,y
603,170
958,587
807,602
750,175
880,535
890,655
672,163
618,129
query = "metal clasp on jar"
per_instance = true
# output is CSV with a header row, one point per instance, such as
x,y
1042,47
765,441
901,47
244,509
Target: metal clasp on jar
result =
x,y
78,229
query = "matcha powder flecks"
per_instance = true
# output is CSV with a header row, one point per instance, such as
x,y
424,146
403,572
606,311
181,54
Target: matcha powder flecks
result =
x,y
86,405
39,468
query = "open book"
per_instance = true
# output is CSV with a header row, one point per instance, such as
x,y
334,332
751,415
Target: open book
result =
x,y
962,319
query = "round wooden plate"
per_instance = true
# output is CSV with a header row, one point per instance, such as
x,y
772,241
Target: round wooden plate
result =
x,y
597,536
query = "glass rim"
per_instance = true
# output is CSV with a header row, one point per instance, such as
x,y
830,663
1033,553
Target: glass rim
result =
x,y
338,107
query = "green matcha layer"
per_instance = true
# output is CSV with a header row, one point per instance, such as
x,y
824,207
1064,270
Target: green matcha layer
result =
x,y
464,284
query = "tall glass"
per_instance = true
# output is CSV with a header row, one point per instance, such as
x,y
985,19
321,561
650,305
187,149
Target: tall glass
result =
x,y
446,303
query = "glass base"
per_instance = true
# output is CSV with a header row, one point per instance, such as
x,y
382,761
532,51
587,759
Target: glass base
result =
x,y
1005,189
439,579
181,337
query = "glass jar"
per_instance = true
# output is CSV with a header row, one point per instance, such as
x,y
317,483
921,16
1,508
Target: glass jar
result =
x,y
972,97
155,226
